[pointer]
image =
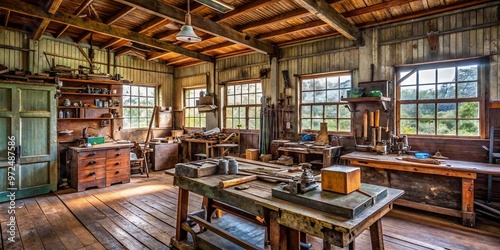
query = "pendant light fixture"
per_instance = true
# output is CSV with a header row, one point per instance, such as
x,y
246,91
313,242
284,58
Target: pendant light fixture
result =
x,y
187,33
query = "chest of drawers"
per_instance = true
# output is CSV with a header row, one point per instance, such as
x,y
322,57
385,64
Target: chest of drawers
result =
x,y
99,166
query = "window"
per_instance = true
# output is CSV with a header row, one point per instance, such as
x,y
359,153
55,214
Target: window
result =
x,y
138,105
320,102
439,99
193,118
243,106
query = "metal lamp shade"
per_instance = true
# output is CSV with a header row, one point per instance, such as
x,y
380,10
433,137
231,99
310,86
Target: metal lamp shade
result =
x,y
187,35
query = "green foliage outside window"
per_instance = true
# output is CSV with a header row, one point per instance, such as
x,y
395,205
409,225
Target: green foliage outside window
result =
x,y
138,105
320,102
442,101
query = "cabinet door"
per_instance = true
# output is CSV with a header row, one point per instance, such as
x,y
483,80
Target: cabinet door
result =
x,y
27,119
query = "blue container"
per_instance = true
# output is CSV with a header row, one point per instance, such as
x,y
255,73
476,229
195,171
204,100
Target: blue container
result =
x,y
232,166
421,155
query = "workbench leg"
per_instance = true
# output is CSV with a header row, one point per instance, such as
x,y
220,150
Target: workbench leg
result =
x,y
182,211
274,230
189,151
326,245
377,235
289,238
468,215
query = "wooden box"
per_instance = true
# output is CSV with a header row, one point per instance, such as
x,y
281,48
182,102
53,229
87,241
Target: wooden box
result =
x,y
340,179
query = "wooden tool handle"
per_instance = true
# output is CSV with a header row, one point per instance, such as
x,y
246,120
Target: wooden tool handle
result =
x,y
233,182
426,161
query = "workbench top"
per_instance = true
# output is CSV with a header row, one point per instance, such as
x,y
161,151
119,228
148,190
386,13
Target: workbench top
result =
x,y
452,165
110,145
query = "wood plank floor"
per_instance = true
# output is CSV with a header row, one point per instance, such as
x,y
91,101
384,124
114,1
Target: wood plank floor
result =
x,y
141,215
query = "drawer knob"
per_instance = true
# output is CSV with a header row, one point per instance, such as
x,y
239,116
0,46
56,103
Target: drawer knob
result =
x,y
91,173
118,163
118,154
92,162
92,154
117,172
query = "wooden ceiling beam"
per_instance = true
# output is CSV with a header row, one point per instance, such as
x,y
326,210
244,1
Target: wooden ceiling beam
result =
x,y
155,55
217,46
123,12
281,18
329,15
162,9
123,51
244,9
93,26
415,15
150,24
120,44
178,60
41,28
163,35
77,12
376,7
6,20
302,27
110,43
53,5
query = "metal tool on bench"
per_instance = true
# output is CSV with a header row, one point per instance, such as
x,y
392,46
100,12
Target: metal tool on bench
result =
x,y
304,183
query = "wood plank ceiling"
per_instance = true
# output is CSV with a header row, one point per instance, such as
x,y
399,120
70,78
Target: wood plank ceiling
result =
x,y
147,29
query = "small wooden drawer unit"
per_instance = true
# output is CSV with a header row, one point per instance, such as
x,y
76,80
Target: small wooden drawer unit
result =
x,y
100,166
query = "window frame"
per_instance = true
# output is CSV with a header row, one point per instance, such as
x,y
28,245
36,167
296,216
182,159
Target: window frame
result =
x,y
150,109
201,115
247,107
480,98
339,104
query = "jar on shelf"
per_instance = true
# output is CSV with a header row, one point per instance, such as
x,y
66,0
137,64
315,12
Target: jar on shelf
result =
x,y
67,103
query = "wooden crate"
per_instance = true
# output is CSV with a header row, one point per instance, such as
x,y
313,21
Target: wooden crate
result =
x,y
340,179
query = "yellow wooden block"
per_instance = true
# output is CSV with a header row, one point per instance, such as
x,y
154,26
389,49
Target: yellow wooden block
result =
x,y
340,179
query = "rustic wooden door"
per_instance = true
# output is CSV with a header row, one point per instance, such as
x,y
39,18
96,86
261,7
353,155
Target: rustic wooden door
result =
x,y
28,120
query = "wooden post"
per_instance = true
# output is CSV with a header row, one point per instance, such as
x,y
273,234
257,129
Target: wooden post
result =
x,y
182,209
274,230
468,215
376,235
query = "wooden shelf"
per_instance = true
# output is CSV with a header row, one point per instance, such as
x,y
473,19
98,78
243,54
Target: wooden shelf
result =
x,y
352,102
74,107
94,82
85,94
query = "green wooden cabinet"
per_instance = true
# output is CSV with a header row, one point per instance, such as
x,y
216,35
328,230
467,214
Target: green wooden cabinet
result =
x,y
28,120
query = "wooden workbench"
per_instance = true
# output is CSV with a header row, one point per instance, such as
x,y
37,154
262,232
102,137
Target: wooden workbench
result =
x,y
209,150
445,189
328,154
280,215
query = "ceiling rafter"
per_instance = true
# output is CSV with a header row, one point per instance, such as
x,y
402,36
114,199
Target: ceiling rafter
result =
x,y
353,13
151,24
244,9
280,18
120,44
302,27
155,55
77,12
177,15
53,5
93,26
110,43
41,28
329,15
6,20
415,15
123,12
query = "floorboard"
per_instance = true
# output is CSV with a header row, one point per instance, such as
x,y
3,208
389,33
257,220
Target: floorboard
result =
x,y
142,215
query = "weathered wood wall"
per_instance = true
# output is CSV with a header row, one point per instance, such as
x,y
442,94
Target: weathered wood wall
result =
x,y
37,56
